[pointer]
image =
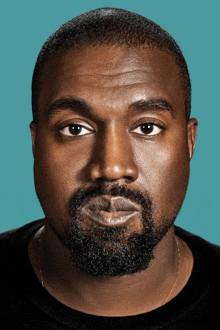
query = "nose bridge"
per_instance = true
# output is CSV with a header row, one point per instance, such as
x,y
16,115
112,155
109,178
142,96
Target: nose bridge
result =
x,y
113,157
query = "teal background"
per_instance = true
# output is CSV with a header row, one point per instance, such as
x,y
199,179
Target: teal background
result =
x,y
25,25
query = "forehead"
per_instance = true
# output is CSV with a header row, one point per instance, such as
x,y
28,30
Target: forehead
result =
x,y
119,74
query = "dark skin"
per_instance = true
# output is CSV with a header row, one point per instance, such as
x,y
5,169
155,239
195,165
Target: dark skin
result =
x,y
120,89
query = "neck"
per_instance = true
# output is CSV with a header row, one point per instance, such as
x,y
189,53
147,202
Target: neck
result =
x,y
109,296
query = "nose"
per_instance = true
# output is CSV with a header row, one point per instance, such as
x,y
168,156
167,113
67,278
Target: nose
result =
x,y
113,157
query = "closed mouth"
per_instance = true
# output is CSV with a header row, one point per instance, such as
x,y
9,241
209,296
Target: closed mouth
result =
x,y
110,211
110,218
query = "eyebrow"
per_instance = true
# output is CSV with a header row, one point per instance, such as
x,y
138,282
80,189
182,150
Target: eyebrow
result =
x,y
82,107
74,104
152,104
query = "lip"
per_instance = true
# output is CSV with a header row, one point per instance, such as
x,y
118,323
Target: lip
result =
x,y
110,218
110,211
111,204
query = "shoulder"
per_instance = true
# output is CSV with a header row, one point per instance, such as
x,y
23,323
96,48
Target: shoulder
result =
x,y
13,240
197,241
21,230
204,251
14,255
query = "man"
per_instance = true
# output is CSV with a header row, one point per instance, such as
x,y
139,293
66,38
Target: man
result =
x,y
112,141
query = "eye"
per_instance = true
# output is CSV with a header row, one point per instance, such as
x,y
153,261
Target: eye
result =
x,y
148,129
75,130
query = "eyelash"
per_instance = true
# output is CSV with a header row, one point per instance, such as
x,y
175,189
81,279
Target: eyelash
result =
x,y
149,123
132,130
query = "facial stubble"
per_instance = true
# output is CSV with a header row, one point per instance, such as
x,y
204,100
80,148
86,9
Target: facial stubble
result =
x,y
111,251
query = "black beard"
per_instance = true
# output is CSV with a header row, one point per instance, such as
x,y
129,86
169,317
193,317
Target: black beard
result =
x,y
102,251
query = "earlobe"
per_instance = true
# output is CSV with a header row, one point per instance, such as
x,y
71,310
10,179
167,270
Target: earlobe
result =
x,y
192,133
33,136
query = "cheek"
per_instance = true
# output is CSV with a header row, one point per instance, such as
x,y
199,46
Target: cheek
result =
x,y
164,171
57,171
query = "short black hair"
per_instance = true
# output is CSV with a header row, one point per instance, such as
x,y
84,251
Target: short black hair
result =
x,y
110,26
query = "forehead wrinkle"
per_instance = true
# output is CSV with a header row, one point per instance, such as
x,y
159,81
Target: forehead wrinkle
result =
x,y
108,74
78,77
118,80
114,86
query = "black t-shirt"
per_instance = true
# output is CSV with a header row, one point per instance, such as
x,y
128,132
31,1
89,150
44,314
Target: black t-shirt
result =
x,y
25,304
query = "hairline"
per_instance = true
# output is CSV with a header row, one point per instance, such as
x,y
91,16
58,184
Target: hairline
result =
x,y
112,27
97,44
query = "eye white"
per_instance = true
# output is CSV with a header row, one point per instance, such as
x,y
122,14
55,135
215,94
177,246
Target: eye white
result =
x,y
81,131
153,130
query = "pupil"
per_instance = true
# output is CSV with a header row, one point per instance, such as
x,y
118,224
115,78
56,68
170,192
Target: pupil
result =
x,y
75,129
147,128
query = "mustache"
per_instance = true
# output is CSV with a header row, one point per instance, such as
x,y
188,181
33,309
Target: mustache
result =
x,y
81,196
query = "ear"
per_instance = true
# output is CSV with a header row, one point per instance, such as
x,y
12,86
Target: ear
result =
x,y
33,129
192,133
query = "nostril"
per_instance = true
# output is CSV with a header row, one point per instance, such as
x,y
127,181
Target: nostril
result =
x,y
116,173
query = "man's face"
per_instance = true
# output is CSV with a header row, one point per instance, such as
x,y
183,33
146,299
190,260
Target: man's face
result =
x,y
112,149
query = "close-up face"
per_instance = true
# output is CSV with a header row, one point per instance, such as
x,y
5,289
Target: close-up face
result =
x,y
111,117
